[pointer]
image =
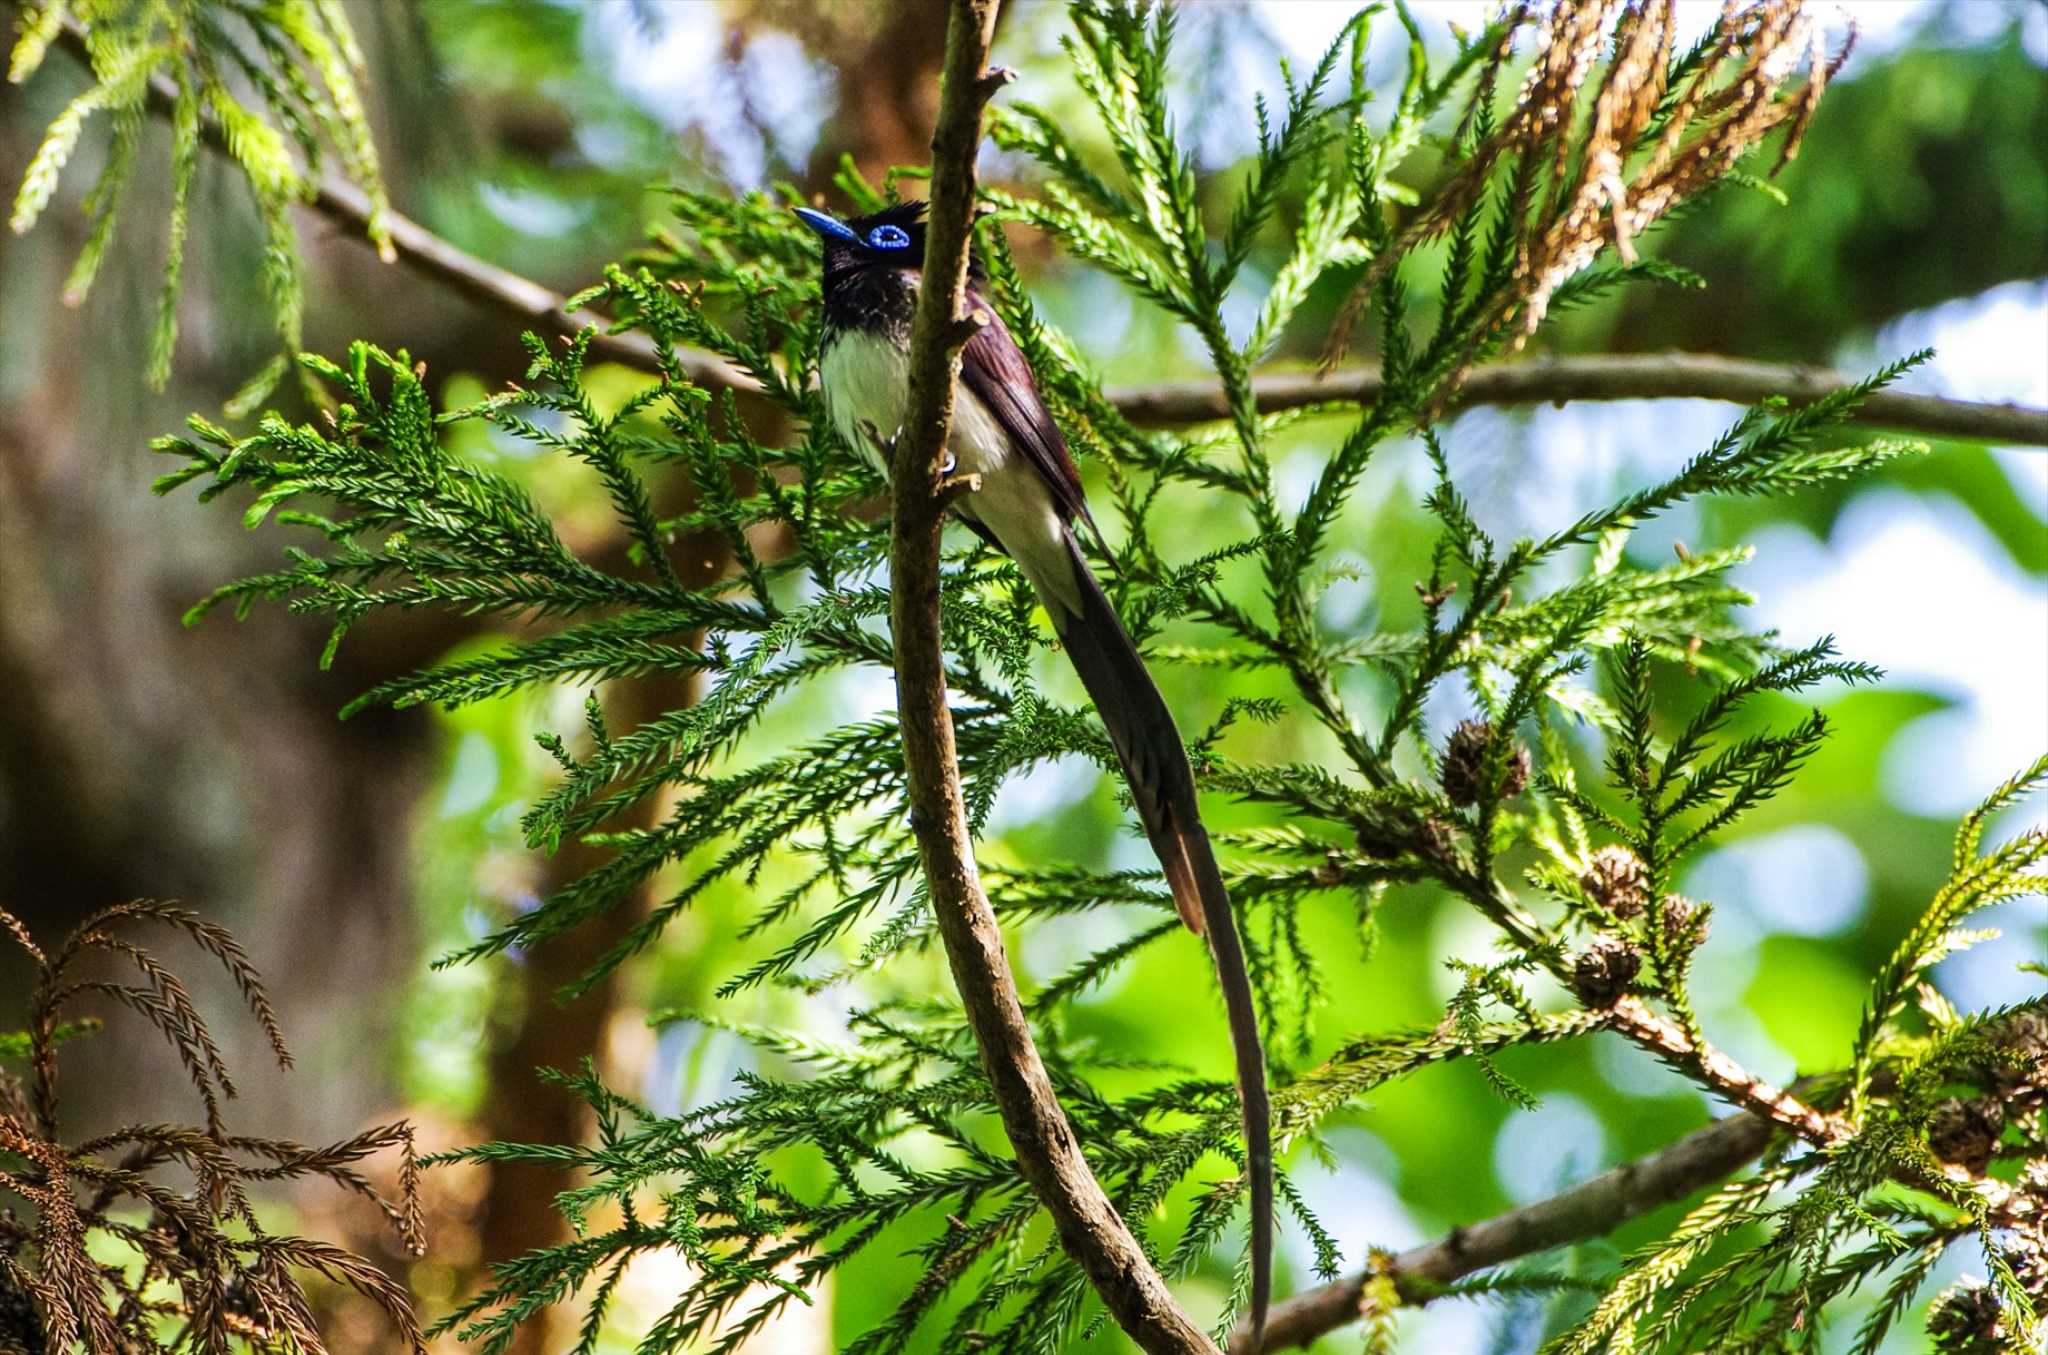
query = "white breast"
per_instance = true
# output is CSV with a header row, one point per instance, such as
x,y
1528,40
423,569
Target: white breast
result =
x,y
866,380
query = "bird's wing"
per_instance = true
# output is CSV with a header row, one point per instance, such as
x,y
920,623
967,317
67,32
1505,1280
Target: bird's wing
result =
x,y
994,369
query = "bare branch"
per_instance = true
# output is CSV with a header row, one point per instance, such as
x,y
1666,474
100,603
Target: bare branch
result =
x,y
1657,1033
1590,1209
510,293
1593,1208
1737,1085
1613,376
1047,1151
1722,1075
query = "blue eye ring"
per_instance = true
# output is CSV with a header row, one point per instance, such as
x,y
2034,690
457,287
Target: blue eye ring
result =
x,y
889,237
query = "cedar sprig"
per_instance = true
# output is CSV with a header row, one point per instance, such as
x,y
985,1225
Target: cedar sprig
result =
x,y
276,86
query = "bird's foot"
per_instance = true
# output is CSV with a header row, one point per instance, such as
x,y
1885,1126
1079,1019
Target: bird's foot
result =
x,y
952,487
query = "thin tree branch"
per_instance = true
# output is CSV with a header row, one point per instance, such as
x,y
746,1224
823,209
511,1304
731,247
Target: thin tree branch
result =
x,y
1593,1208
1655,1032
1729,1080
1590,1209
1613,376
516,296
1735,1084
1047,1151
1660,1035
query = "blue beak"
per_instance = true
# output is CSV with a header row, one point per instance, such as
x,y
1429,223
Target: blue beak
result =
x,y
826,226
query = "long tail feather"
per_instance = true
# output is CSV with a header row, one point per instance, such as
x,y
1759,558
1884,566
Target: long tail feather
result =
x,y
1155,763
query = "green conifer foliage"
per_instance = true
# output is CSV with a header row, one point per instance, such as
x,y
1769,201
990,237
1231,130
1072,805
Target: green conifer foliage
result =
x,y
261,80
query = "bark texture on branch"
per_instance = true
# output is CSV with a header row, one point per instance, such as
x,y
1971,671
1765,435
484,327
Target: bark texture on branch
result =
x,y
1665,1038
1048,1154
1613,376
1591,1209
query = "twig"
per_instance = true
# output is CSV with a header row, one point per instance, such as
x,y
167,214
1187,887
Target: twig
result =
x,y
1590,1209
1047,1151
1709,1066
1610,376
1665,1038
1593,1208
1619,376
1735,1084
519,297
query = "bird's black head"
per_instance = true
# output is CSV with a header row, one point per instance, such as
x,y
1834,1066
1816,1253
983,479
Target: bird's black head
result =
x,y
891,238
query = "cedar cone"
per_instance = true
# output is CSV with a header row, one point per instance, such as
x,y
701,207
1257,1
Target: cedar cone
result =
x,y
2024,1035
1464,765
2028,1257
1617,880
1604,971
1966,1132
1684,921
1967,1320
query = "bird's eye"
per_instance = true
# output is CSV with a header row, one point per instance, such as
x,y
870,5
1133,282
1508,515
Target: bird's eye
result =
x,y
889,237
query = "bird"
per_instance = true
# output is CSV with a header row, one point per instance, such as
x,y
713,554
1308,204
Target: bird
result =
x,y
1028,503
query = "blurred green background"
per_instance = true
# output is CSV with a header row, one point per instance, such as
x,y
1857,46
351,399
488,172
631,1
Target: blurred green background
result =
x,y
137,758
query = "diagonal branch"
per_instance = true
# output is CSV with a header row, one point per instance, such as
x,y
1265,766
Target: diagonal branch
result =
x,y
1048,1153
1593,1208
1700,1060
1590,1209
521,298
1713,1069
1708,1065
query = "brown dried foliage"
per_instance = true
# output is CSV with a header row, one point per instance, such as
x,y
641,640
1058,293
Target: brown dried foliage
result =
x,y
1592,155
202,1274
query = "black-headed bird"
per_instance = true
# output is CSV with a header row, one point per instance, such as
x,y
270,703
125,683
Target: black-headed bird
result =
x,y
1027,504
